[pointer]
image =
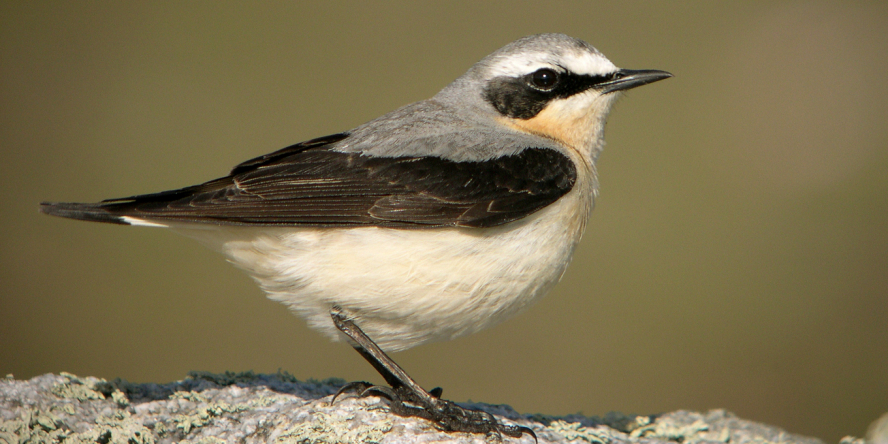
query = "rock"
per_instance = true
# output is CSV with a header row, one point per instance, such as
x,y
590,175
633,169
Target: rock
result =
x,y
260,408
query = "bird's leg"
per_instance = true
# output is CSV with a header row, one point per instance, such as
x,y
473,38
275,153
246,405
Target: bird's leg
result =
x,y
393,374
407,397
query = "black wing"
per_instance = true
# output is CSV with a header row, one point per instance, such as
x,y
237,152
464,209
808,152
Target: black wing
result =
x,y
309,184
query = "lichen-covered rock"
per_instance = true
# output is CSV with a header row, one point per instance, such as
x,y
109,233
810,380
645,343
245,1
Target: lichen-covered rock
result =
x,y
259,408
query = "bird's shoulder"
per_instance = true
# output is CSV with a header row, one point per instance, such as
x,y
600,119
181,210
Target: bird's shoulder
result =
x,y
439,129
428,171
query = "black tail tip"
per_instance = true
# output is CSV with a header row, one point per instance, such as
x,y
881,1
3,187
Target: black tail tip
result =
x,y
80,211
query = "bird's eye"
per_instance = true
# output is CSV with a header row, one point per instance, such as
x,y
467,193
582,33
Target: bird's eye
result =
x,y
544,79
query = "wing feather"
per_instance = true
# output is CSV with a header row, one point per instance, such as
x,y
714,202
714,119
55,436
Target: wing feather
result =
x,y
310,184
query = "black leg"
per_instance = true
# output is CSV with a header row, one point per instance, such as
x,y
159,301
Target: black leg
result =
x,y
407,397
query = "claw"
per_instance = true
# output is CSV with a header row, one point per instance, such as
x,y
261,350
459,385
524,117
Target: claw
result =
x,y
450,417
385,392
407,398
357,386
518,431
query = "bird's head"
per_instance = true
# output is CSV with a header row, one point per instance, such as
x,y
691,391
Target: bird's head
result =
x,y
550,85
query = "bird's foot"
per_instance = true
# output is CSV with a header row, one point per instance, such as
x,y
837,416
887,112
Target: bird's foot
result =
x,y
408,398
445,415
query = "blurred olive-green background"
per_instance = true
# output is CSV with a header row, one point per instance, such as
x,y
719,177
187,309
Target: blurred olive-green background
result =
x,y
737,257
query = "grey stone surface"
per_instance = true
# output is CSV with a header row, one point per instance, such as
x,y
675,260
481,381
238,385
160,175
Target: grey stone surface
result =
x,y
259,408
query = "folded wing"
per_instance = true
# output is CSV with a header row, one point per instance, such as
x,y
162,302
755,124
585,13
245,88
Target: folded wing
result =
x,y
310,184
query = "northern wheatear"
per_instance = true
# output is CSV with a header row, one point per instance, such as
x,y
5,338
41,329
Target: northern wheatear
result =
x,y
431,222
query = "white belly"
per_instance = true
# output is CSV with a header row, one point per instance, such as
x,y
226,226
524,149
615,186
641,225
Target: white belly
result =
x,y
408,287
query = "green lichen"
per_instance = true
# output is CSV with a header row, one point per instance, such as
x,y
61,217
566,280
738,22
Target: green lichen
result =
x,y
335,428
35,426
120,399
666,430
573,431
76,388
267,399
205,415
663,429
626,423
161,429
85,389
189,396
208,440
117,428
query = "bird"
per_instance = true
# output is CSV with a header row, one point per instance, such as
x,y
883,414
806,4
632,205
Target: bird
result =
x,y
434,221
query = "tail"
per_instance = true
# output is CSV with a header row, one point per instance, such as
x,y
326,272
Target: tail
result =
x,y
92,212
